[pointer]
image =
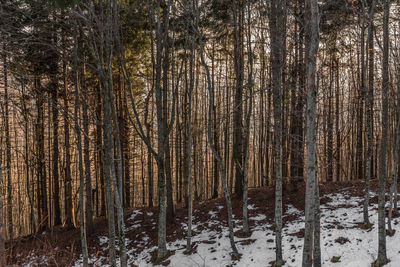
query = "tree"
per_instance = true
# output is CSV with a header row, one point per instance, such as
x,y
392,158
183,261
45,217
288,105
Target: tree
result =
x,y
369,113
277,17
249,110
382,258
311,245
8,147
209,130
2,226
101,50
189,92
80,157
67,147
238,156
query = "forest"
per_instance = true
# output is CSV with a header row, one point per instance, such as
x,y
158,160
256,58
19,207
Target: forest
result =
x,y
199,133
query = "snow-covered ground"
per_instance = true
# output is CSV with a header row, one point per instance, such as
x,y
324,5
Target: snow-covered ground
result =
x,y
340,237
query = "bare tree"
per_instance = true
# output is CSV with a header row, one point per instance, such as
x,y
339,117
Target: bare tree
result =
x,y
189,92
369,111
382,258
209,130
80,157
312,198
276,20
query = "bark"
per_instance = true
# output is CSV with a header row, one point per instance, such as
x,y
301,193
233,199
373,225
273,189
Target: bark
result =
x,y
3,261
41,164
311,249
100,155
117,182
369,114
382,258
27,162
108,162
86,158
238,156
247,126
56,196
189,143
216,142
80,162
164,103
337,121
67,170
277,18
149,169
397,147
297,103
162,214
330,124
8,150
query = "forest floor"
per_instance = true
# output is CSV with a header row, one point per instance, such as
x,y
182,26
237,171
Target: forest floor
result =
x,y
343,241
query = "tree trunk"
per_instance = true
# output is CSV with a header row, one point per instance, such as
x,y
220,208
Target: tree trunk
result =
x,y
189,93
209,133
80,160
67,171
41,164
216,142
246,230
86,158
108,161
382,258
277,18
3,261
8,150
369,113
311,249
237,156
100,156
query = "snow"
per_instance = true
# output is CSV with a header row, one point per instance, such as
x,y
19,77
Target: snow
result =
x,y
251,207
339,219
134,214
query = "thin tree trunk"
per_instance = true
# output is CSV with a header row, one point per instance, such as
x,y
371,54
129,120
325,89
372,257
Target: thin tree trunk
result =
x,y
369,113
277,17
80,161
86,157
189,143
311,249
237,156
108,161
3,261
67,171
56,196
209,133
382,258
100,156
8,150
247,127
41,164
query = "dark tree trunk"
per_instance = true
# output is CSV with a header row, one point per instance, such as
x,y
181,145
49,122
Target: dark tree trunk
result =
x,y
41,164
56,196
67,171
8,150
237,156
86,157
216,177
277,18
382,258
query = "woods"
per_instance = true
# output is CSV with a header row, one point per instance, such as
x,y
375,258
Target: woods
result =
x,y
113,107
